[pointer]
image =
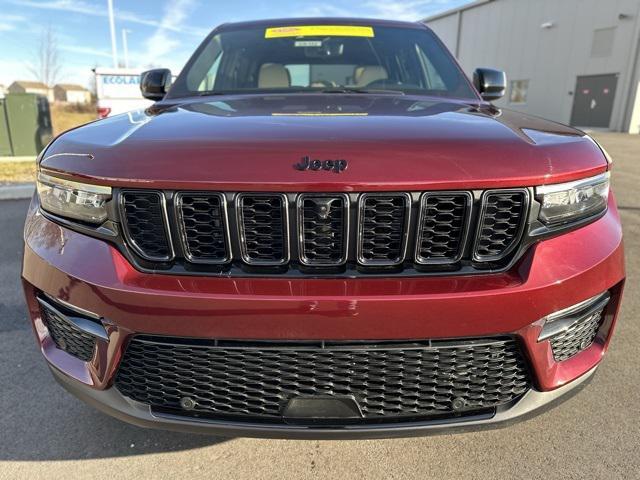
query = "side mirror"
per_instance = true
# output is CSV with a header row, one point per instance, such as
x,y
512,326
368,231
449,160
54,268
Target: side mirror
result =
x,y
155,83
490,83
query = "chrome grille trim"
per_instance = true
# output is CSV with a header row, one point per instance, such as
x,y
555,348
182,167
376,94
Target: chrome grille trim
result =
x,y
182,227
466,226
241,229
345,229
404,234
165,220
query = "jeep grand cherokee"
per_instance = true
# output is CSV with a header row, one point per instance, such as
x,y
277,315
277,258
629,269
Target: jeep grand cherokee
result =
x,y
323,229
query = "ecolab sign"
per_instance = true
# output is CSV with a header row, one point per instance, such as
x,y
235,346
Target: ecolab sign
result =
x,y
121,79
118,83
118,91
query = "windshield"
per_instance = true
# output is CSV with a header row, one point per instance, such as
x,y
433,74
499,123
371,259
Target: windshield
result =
x,y
333,59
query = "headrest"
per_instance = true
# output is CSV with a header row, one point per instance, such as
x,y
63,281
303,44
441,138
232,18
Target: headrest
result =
x,y
366,74
273,75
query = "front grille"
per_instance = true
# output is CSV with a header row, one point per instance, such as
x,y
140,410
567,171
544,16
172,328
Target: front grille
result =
x,y
202,222
374,233
578,337
262,220
145,225
501,223
323,229
444,220
67,336
388,380
383,227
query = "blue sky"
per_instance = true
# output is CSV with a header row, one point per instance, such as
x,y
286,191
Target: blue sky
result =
x,y
161,32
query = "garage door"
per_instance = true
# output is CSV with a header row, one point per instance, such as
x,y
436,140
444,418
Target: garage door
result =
x,y
593,100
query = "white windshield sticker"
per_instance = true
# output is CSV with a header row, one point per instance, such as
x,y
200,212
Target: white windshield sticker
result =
x,y
308,43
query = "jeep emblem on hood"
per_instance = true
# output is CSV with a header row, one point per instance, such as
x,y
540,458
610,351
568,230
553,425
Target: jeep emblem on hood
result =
x,y
336,166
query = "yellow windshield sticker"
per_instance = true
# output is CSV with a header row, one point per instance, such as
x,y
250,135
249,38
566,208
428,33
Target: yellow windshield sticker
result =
x,y
319,31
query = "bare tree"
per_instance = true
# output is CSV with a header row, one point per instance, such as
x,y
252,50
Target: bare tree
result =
x,y
46,66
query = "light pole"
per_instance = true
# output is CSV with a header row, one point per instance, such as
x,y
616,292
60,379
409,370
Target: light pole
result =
x,y
112,27
125,47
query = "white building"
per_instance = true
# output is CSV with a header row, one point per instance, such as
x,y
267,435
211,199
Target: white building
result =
x,y
26,86
69,93
573,61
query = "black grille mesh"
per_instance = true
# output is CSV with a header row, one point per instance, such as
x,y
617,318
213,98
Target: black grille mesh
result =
x,y
323,235
263,224
442,227
146,224
67,336
501,223
383,228
388,380
203,226
578,337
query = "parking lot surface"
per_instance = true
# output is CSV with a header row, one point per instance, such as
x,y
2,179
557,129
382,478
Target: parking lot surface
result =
x,y
47,433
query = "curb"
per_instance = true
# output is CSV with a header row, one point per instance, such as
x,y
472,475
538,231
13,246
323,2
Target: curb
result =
x,y
18,191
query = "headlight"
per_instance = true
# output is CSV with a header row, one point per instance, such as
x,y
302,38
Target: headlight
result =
x,y
567,202
74,200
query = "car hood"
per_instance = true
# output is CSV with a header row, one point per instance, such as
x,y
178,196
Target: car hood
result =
x,y
389,142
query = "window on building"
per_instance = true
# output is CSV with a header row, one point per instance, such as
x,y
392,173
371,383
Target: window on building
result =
x,y
602,44
519,89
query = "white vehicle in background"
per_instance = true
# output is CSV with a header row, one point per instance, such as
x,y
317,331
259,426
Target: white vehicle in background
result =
x,y
118,91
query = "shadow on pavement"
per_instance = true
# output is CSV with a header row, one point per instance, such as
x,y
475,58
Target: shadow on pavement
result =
x,y
38,419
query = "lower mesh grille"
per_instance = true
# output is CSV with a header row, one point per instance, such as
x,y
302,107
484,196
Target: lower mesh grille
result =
x,y
67,336
577,337
389,380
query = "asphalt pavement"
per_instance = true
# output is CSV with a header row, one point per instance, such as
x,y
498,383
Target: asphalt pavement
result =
x,y
47,433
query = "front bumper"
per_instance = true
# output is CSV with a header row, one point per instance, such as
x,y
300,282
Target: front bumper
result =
x,y
93,276
112,403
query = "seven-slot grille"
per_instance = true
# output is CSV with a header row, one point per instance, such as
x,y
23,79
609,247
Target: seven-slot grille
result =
x,y
327,233
324,221
501,223
263,224
389,380
203,227
383,228
442,227
144,213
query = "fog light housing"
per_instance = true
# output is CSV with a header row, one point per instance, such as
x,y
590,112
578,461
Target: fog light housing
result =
x,y
574,329
73,331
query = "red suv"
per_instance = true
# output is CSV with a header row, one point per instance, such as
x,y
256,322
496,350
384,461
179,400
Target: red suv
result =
x,y
323,229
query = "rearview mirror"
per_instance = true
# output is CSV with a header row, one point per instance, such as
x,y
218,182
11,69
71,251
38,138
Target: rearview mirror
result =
x,y
490,83
155,83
